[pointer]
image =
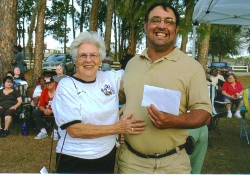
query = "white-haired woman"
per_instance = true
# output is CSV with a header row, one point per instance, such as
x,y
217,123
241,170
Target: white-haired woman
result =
x,y
86,110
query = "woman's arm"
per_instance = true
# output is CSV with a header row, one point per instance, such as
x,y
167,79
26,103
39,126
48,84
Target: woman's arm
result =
x,y
19,102
125,125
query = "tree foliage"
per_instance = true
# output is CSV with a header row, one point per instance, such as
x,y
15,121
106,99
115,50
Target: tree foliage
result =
x,y
224,39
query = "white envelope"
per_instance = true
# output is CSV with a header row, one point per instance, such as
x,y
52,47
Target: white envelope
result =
x,y
165,100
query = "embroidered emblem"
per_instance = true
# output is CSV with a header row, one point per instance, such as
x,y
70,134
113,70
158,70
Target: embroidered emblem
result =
x,y
107,89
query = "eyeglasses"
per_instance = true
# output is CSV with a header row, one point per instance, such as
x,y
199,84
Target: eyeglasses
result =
x,y
92,56
156,20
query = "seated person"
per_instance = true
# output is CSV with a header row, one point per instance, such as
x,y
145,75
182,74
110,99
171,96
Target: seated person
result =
x,y
10,100
217,80
59,73
232,91
37,92
46,99
18,80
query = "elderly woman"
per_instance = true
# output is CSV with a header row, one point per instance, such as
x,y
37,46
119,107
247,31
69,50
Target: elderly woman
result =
x,y
86,111
232,91
10,100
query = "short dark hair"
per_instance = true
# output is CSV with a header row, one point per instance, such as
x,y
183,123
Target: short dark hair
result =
x,y
19,48
7,78
10,72
164,6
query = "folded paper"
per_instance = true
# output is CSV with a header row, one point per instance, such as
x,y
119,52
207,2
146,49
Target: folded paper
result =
x,y
165,100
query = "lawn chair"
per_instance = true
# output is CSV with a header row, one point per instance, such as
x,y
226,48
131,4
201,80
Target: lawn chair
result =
x,y
23,113
245,113
214,123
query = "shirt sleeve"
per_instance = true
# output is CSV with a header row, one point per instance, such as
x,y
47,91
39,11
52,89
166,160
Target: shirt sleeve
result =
x,y
43,98
17,93
66,106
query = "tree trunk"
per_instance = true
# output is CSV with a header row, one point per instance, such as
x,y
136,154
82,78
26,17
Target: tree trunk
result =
x,y
94,16
110,8
188,22
8,10
116,33
39,43
73,19
132,39
204,45
65,26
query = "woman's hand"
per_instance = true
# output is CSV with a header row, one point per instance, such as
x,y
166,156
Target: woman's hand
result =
x,y
126,125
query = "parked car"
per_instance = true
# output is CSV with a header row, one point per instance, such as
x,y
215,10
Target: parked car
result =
x,y
65,60
223,67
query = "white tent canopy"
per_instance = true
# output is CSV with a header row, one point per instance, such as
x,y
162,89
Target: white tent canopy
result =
x,y
235,12
227,12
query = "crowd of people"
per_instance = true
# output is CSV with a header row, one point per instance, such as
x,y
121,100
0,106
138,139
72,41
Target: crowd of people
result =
x,y
85,105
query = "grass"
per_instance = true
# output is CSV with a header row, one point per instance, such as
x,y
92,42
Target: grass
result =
x,y
229,153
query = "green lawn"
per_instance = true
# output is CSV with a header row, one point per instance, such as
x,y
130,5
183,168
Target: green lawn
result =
x,y
229,154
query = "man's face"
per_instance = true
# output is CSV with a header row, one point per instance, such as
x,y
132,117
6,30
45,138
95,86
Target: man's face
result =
x,y
161,37
50,85
17,71
59,70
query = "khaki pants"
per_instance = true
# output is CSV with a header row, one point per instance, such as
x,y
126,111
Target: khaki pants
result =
x,y
129,163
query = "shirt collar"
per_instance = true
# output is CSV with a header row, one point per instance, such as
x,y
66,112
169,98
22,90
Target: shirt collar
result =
x,y
172,56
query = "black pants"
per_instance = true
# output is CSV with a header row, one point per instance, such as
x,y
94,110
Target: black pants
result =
x,y
73,165
37,114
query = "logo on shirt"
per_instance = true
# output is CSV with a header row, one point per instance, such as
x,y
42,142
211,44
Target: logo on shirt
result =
x,y
107,89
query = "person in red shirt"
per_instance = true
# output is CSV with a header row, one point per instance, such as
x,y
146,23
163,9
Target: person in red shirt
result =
x,y
46,99
232,91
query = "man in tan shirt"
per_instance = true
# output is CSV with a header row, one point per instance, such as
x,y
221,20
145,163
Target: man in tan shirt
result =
x,y
159,149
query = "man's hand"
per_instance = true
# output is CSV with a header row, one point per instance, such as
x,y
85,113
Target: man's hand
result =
x,y
159,119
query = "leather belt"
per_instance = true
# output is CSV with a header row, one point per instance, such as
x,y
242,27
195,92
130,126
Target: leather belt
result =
x,y
159,155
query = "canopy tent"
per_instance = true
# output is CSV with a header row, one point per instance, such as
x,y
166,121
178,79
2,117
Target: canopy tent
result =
x,y
227,12
235,12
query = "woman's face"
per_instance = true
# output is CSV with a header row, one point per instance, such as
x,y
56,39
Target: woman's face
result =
x,y
8,83
231,79
42,82
87,62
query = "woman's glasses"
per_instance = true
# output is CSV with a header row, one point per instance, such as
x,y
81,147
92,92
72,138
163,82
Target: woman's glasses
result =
x,y
92,56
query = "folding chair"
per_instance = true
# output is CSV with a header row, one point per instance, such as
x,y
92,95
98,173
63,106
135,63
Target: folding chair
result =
x,y
16,120
49,120
214,123
245,113
23,111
